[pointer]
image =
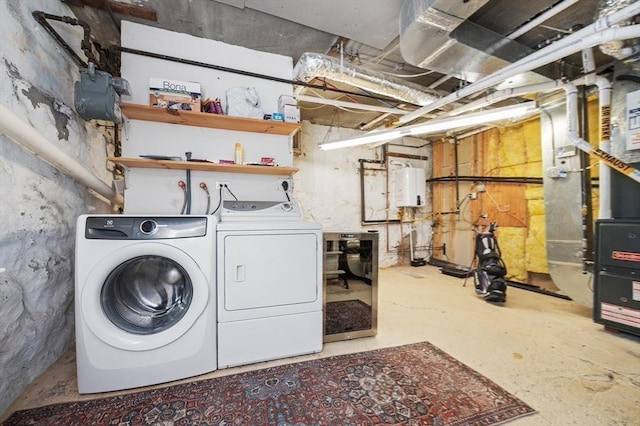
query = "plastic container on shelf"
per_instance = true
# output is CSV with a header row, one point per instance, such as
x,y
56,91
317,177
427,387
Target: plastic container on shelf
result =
x,y
238,154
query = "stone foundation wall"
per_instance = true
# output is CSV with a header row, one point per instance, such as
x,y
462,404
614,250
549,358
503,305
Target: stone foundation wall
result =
x,y
40,204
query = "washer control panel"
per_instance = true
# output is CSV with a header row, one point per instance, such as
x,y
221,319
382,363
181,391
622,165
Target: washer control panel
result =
x,y
259,210
145,228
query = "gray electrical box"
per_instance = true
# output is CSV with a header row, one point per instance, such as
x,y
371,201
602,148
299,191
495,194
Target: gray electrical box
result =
x,y
97,95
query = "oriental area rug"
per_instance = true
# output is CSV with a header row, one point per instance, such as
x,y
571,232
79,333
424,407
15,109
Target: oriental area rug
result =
x,y
416,384
347,315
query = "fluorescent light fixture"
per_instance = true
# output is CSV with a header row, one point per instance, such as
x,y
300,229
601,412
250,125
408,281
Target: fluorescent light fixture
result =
x,y
436,125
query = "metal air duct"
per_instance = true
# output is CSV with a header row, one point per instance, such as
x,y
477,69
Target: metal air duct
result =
x,y
436,35
312,65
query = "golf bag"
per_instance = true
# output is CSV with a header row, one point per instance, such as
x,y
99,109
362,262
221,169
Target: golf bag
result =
x,y
488,276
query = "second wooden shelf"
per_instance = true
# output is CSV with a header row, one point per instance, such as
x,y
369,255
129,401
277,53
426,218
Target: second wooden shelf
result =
x,y
146,163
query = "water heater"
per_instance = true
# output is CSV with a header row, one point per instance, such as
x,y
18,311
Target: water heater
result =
x,y
410,187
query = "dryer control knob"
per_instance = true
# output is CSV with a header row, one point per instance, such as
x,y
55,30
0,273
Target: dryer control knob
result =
x,y
148,226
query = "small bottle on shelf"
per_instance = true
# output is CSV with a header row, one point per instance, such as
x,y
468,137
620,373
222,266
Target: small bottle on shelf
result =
x,y
238,154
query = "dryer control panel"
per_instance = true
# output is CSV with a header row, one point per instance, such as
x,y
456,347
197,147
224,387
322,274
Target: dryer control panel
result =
x,y
259,211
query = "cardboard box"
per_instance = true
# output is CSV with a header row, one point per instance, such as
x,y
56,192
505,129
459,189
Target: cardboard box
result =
x,y
175,94
291,114
288,107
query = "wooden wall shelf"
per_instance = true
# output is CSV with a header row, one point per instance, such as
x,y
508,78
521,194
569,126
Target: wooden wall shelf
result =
x,y
214,121
146,163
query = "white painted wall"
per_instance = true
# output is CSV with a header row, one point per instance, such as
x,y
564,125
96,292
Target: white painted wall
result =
x,y
157,191
327,185
39,205
328,190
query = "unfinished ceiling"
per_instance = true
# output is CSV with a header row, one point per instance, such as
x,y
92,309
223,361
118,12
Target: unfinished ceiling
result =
x,y
398,52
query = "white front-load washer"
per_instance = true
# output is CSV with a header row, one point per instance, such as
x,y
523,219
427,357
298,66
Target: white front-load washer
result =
x,y
269,283
145,300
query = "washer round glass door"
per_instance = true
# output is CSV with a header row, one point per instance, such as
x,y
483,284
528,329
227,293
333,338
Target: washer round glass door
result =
x,y
144,296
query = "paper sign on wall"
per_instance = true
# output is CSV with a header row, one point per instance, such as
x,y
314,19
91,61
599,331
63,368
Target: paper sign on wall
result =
x,y
633,120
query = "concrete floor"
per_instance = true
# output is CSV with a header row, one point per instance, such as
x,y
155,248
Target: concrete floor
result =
x,y
545,350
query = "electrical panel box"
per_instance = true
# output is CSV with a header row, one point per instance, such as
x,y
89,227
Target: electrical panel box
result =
x,y
616,301
410,187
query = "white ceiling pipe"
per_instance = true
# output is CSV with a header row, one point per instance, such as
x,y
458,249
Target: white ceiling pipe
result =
x,y
604,141
439,81
604,123
542,18
375,121
599,32
500,95
28,137
572,126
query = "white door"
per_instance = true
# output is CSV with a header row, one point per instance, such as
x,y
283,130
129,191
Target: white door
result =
x,y
267,274
143,296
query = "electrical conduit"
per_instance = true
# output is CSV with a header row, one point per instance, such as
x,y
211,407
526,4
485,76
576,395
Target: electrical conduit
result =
x,y
28,137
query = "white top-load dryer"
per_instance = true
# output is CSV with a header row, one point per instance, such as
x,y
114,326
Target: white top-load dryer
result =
x,y
269,283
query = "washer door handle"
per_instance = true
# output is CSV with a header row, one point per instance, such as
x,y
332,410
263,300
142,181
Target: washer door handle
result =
x,y
240,273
